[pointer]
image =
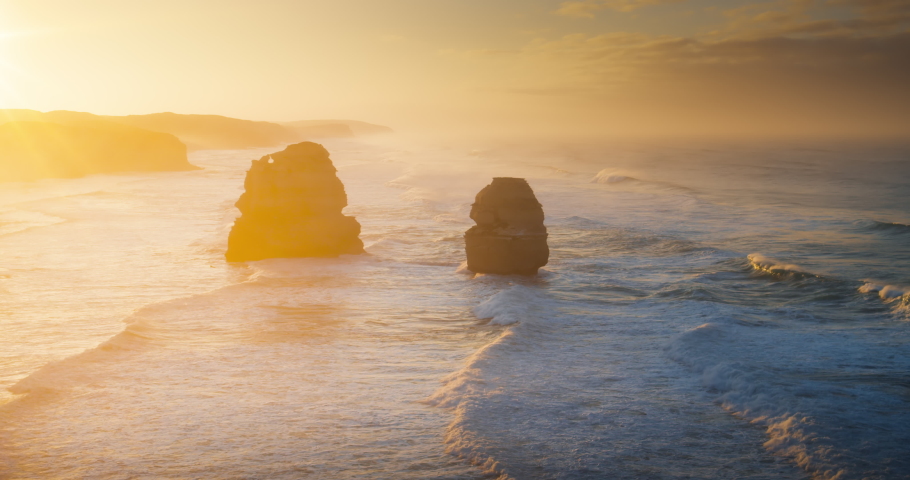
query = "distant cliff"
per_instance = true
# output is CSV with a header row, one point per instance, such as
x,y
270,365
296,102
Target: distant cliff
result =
x,y
211,132
203,132
30,150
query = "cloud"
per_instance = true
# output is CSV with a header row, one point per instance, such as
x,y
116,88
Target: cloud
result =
x,y
876,7
838,46
589,8
791,66
811,18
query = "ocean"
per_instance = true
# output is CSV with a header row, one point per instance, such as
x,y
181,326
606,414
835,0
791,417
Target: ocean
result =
x,y
713,310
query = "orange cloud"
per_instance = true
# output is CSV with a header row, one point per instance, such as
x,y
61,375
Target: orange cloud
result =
x,y
793,66
588,8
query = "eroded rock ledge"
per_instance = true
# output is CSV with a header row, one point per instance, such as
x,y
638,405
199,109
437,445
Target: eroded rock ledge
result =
x,y
510,237
292,208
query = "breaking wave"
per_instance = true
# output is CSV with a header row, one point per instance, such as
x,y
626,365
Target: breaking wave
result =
x,y
158,325
509,306
896,296
611,177
745,394
618,178
70,372
888,227
520,310
886,292
764,266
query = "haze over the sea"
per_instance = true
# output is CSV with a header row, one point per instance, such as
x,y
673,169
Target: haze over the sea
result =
x,y
649,67
455,239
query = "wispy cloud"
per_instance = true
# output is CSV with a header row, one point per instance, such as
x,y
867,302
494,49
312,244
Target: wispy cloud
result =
x,y
876,7
788,65
589,8
776,34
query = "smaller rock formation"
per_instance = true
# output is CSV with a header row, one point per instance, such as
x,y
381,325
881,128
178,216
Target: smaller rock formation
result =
x,y
292,208
510,236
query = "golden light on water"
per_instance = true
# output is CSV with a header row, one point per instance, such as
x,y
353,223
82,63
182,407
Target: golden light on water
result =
x,y
683,276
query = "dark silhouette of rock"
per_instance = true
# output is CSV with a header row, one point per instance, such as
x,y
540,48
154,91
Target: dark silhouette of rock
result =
x,y
30,150
510,236
292,208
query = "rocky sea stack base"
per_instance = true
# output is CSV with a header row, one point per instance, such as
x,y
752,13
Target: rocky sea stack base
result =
x,y
510,237
292,208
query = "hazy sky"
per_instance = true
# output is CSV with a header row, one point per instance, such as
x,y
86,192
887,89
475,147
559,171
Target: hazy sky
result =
x,y
620,66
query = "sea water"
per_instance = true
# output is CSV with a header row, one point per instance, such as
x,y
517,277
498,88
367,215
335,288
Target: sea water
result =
x,y
710,310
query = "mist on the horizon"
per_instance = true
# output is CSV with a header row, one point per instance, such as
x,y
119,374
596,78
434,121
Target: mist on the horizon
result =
x,y
583,67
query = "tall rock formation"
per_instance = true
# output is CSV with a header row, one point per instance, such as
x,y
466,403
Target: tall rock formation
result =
x,y
510,236
292,208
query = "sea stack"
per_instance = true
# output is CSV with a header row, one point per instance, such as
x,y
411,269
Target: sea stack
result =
x,y
510,237
292,208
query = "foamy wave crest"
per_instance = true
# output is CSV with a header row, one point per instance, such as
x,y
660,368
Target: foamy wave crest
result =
x,y
886,292
891,294
608,176
768,266
522,309
889,227
80,369
791,434
145,329
508,306
470,384
386,243
625,180
514,307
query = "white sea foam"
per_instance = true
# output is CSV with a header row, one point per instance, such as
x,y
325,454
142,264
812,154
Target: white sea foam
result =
x,y
723,356
611,176
520,309
510,306
777,268
761,262
886,292
896,296
387,243
470,385
320,362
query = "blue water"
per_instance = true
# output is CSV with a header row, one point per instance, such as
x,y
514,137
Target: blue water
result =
x,y
710,310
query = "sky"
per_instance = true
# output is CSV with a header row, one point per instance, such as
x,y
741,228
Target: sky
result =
x,y
624,67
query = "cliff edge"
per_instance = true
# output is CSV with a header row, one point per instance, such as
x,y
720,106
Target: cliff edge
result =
x,y
32,150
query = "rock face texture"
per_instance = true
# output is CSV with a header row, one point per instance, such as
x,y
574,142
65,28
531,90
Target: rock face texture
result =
x,y
510,236
292,208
